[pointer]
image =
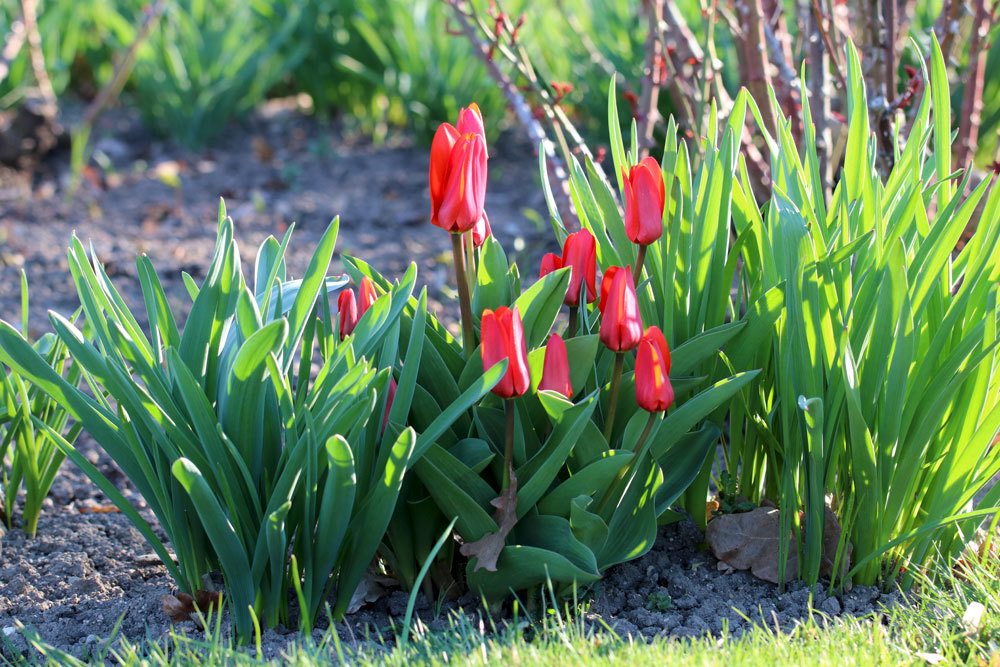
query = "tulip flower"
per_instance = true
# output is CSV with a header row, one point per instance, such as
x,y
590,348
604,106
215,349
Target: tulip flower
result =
x,y
580,254
645,196
503,338
481,231
347,310
550,262
555,370
366,295
621,324
653,391
457,179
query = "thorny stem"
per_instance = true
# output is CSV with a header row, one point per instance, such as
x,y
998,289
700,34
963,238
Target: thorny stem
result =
x,y
464,299
639,260
574,319
616,381
508,447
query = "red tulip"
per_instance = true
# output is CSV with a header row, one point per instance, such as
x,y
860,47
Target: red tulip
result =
x,y
503,338
555,370
366,295
550,262
621,324
645,197
481,231
653,391
458,173
347,307
580,253
470,119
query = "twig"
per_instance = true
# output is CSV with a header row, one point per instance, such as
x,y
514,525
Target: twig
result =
x,y
972,99
818,78
889,46
523,111
824,33
947,25
754,62
651,76
124,66
15,40
30,15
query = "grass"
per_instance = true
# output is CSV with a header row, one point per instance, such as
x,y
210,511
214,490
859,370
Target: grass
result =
x,y
929,629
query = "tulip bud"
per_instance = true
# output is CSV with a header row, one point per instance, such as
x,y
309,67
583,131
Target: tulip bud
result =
x,y
653,391
645,197
481,231
347,307
555,370
503,338
580,254
621,324
550,262
366,295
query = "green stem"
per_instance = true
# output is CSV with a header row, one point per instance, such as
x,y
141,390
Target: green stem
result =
x,y
616,381
464,298
639,260
623,473
508,448
470,262
574,319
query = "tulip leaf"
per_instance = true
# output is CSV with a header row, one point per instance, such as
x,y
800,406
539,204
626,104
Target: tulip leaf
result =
x,y
540,304
492,288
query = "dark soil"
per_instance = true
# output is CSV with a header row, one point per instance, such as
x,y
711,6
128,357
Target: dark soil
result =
x,y
88,569
274,169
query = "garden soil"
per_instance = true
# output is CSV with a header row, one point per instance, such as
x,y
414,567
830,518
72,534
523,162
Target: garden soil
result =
x,y
88,573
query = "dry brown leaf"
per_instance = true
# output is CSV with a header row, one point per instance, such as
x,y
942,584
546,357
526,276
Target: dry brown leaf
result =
x,y
487,548
98,509
182,607
749,541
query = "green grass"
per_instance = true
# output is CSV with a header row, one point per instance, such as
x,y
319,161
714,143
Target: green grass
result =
x,y
930,625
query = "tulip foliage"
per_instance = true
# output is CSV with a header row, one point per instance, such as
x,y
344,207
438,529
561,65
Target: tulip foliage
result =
x,y
881,383
270,446
30,458
590,437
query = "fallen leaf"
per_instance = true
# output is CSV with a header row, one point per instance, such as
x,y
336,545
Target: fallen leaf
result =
x,y
98,509
487,548
182,607
369,589
749,541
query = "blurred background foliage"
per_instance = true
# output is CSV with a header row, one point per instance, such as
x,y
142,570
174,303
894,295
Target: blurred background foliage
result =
x,y
379,64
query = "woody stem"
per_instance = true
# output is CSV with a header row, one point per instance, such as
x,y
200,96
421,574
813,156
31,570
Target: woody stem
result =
x,y
616,381
639,259
508,448
464,298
